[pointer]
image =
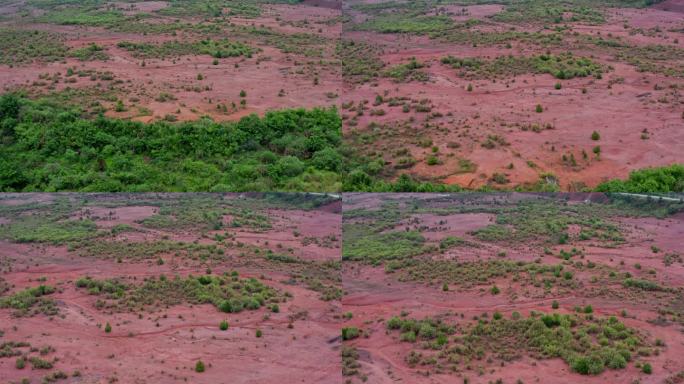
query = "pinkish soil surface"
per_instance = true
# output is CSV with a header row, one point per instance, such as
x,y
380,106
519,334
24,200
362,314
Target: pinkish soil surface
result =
x,y
162,344
638,114
373,297
275,78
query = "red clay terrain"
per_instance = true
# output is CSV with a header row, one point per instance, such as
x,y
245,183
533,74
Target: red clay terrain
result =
x,y
293,64
512,126
594,242
279,253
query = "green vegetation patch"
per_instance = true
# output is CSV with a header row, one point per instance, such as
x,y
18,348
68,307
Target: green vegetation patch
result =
x,y
89,52
658,179
85,16
471,274
563,66
130,250
376,248
214,48
549,222
24,46
407,72
360,61
212,8
551,11
47,229
31,302
50,147
589,345
310,45
405,22
227,292
350,363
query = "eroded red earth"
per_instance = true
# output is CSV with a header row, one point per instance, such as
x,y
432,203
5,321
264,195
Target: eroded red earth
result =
x,y
281,75
374,296
637,113
162,344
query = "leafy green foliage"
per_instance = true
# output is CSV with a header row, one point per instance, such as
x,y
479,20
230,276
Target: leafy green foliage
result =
x,y
214,48
563,66
24,46
227,293
349,333
87,16
48,230
450,242
50,147
550,11
113,288
89,52
646,285
588,345
360,61
135,251
548,222
375,248
405,22
407,72
31,301
660,179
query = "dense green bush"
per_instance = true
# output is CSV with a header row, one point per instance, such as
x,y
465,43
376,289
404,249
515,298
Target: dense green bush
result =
x,y
49,147
662,179
223,325
350,333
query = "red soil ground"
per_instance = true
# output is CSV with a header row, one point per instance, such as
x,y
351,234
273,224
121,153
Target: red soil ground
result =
x,y
162,346
262,77
621,112
374,296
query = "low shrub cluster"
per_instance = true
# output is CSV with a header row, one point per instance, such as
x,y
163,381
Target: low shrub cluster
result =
x,y
587,344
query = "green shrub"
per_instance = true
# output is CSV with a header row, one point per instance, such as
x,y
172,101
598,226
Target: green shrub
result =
x,y
587,365
649,180
38,363
103,154
199,366
349,333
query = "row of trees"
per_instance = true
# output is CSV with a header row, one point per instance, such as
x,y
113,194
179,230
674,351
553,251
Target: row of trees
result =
x,y
50,147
